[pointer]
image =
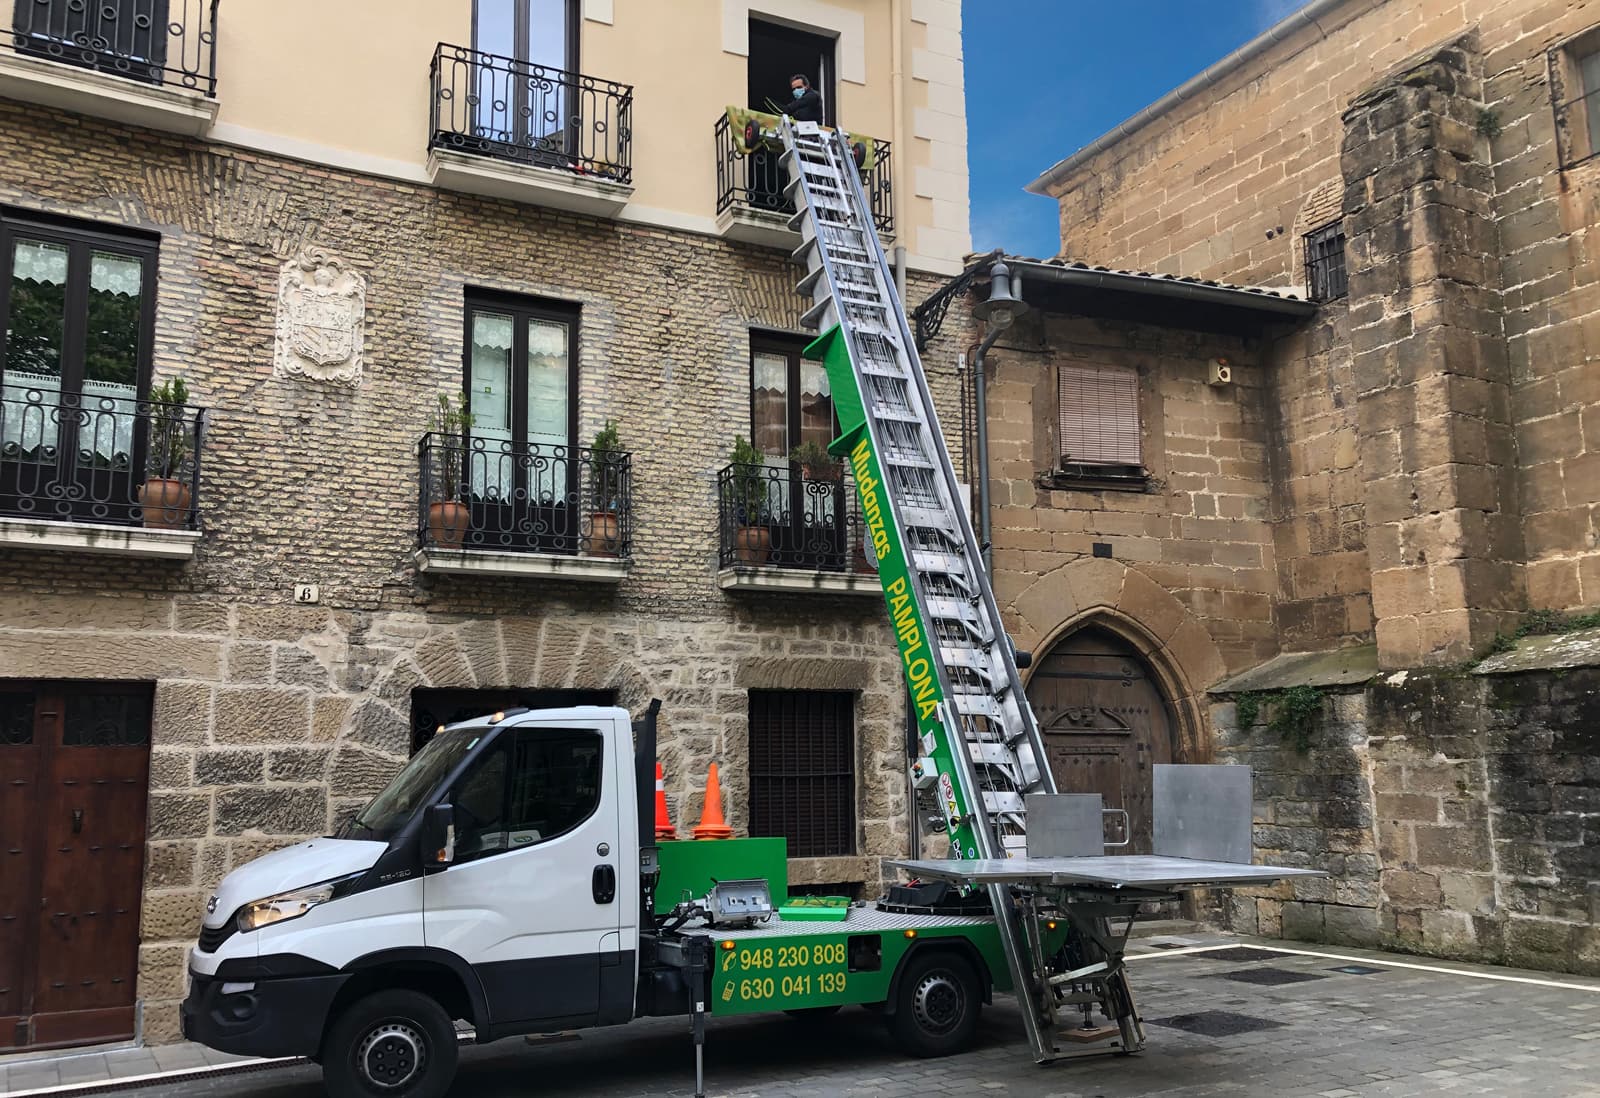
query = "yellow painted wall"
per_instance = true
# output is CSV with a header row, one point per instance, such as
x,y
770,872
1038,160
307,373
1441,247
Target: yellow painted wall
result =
x,y
346,81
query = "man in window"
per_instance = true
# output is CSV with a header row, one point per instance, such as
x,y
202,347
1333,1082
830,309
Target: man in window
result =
x,y
805,103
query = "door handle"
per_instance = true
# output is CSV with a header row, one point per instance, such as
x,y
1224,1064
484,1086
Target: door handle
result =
x,y
77,821
604,884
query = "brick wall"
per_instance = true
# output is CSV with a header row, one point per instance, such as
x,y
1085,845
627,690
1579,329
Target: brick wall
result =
x,y
274,720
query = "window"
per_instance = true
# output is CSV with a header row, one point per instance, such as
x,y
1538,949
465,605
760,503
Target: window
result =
x,y
1099,420
791,402
521,388
533,785
778,53
527,102
1325,277
802,770
1575,93
77,318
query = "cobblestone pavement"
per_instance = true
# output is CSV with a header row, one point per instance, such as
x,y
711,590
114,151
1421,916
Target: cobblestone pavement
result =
x,y
1277,1024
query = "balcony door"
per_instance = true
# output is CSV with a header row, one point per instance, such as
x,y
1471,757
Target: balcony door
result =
x,y
77,322
524,95
791,404
521,472
124,37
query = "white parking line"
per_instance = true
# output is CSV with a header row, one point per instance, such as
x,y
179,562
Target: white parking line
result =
x,y
1383,961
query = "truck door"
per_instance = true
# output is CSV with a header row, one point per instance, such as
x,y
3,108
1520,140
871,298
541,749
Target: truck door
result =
x,y
531,900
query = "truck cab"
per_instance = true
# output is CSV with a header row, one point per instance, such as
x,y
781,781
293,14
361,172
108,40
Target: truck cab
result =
x,y
495,880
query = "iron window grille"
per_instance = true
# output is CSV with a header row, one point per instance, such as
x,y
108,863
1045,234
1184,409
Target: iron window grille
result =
x,y
489,105
777,516
1325,271
167,42
757,180
802,770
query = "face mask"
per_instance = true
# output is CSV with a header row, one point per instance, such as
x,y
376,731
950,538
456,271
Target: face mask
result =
x,y
798,92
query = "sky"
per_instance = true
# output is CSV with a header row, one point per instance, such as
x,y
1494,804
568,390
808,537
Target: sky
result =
x,y
1046,77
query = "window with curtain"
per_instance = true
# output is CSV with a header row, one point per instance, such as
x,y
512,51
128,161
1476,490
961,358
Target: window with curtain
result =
x,y
1099,418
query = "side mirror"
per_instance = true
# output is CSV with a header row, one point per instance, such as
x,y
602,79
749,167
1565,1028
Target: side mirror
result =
x,y
439,835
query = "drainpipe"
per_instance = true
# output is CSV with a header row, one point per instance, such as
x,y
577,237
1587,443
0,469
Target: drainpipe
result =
x,y
981,413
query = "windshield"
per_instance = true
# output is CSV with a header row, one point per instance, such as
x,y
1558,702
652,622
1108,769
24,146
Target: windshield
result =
x,y
390,809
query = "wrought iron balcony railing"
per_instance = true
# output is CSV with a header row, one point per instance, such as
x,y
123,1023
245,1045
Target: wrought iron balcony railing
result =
x,y
514,497
495,106
778,516
756,180
169,42
95,458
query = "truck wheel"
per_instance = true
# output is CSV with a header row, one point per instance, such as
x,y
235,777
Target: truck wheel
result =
x,y
936,1008
398,1044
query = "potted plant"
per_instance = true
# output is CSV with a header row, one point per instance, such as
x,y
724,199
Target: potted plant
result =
x,y
815,462
608,465
752,540
448,515
164,497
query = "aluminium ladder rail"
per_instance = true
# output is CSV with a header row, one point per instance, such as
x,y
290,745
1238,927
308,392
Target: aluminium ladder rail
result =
x,y
979,741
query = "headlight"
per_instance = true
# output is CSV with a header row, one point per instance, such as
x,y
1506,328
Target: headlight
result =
x,y
289,905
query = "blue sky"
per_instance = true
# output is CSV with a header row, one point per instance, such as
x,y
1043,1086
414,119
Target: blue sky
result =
x,y
1045,77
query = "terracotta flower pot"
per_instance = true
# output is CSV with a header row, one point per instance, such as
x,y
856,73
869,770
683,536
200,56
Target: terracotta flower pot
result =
x,y
604,538
447,523
752,544
832,476
164,503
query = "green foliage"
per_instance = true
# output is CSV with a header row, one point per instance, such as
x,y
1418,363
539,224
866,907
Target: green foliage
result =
x,y
1291,713
609,464
1542,623
1488,123
169,428
814,458
451,420
749,482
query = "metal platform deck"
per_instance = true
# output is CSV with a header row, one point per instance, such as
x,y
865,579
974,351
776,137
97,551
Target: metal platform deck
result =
x,y
1122,871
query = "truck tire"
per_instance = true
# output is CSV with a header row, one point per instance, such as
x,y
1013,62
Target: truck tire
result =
x,y
397,1044
936,1006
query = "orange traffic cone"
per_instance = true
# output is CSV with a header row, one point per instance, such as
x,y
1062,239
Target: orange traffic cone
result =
x,y
664,828
712,825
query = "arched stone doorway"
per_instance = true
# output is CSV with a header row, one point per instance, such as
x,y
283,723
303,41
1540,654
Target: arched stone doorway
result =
x,y
1105,721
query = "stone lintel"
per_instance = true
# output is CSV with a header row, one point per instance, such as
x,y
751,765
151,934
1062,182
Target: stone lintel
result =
x,y
535,186
489,562
99,538
68,87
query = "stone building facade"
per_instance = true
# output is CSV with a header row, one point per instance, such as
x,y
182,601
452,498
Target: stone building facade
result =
x,y
1386,480
273,713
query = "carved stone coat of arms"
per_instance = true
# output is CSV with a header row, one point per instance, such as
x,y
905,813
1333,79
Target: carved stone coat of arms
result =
x,y
322,307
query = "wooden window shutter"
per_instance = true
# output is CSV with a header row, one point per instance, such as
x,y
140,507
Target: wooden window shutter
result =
x,y
1099,415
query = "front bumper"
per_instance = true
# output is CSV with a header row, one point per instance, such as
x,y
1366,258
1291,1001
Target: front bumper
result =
x,y
268,1016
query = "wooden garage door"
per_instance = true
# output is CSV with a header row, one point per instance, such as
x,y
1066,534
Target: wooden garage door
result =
x,y
1104,723
74,767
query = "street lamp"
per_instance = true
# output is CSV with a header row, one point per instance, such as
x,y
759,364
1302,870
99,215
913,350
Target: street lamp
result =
x,y
999,313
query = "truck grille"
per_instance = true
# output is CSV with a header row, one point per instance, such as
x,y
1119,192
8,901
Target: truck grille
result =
x,y
211,939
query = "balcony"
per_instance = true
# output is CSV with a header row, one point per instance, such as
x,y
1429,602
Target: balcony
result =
x,y
97,473
493,507
143,62
751,204
783,531
510,129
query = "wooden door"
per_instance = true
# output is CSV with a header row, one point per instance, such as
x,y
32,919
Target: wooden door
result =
x,y
75,758
1105,724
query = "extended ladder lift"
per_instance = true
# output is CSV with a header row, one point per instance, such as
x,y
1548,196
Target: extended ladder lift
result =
x,y
979,744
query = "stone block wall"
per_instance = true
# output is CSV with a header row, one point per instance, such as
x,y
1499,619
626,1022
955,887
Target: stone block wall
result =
x,y
1455,814
1199,529
1209,189
273,720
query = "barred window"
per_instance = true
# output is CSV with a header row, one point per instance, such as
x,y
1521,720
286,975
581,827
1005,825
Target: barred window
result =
x,y
1575,94
1325,274
802,770
1099,418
